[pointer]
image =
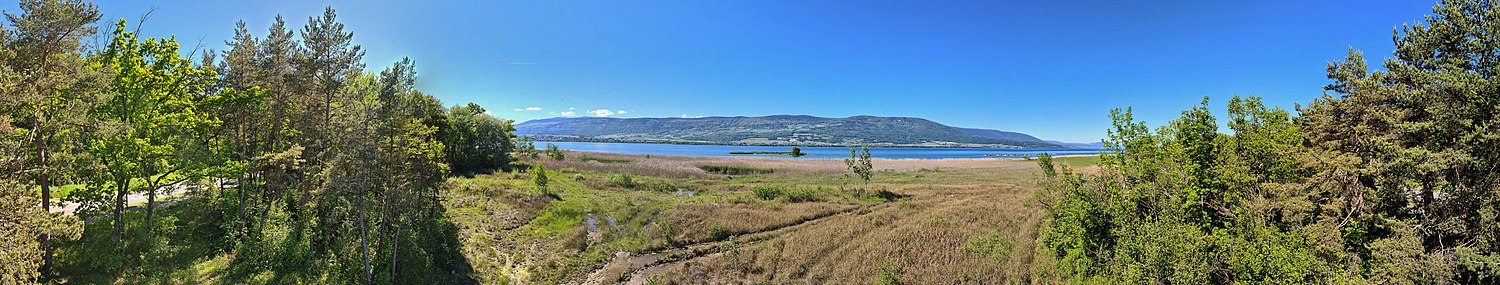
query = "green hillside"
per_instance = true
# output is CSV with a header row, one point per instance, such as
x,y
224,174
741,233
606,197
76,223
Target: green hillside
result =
x,y
775,130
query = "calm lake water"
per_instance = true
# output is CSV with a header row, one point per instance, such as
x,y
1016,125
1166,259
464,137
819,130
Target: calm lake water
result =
x,y
813,152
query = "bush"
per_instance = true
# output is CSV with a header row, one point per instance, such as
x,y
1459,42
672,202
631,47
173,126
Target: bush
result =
x,y
621,180
766,192
554,152
802,195
734,170
771,192
655,185
718,232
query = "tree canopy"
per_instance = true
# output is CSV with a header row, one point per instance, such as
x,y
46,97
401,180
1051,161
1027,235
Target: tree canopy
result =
x,y
1387,178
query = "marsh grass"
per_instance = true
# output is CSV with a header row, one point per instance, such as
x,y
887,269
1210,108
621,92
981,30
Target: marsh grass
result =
x,y
937,221
734,169
586,157
957,225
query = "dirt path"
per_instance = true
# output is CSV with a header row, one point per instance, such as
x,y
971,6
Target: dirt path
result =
x,y
167,194
638,264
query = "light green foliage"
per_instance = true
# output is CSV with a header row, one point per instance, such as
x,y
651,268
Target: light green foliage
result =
x,y
149,125
994,246
526,147
859,163
621,180
554,152
766,192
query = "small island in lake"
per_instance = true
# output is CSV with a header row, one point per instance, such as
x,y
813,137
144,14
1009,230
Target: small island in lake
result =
x,y
795,152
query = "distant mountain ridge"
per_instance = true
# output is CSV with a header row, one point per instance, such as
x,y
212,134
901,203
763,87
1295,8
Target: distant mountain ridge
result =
x,y
776,130
1095,145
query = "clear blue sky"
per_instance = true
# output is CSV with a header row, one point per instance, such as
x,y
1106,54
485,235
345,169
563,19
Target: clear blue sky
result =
x,y
1049,69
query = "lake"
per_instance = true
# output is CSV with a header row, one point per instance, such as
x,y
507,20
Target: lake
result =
x,y
813,152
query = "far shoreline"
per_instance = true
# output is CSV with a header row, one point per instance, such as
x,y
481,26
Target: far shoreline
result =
x,y
789,144
783,157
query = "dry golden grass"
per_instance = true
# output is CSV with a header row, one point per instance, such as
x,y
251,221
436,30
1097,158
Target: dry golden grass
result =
x,y
971,233
960,221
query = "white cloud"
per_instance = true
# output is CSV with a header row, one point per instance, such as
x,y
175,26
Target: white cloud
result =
x,y
602,112
518,109
533,108
621,112
570,108
684,115
487,113
568,114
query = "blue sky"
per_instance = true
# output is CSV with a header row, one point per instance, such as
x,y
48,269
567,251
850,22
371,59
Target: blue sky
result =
x,y
1050,69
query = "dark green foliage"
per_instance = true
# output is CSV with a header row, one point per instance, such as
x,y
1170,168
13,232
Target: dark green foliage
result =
x,y
795,152
303,167
475,141
1387,179
1163,208
734,169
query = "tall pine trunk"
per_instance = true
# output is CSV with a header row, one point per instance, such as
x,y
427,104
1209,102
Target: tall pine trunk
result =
x,y
395,244
364,246
43,180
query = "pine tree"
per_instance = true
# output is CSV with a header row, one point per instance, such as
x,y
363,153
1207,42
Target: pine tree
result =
x,y
48,87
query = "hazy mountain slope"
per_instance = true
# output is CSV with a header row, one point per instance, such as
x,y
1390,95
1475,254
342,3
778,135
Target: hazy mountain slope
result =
x,y
774,130
1078,145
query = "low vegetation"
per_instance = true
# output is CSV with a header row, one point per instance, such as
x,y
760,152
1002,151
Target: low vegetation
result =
x,y
585,157
734,169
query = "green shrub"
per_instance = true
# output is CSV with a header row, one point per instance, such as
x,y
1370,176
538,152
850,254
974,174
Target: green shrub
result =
x,y
766,192
621,180
554,152
656,185
718,232
993,245
734,170
601,160
890,274
802,195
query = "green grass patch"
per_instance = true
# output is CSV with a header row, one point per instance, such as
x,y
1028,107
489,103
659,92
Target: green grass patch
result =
x,y
734,169
1078,161
993,245
798,195
601,160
